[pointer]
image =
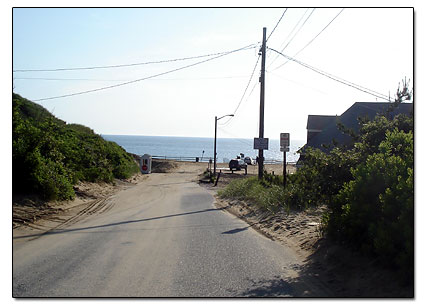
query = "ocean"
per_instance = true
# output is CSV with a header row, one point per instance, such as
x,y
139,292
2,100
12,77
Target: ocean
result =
x,y
201,147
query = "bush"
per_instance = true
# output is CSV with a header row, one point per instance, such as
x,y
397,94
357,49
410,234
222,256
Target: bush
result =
x,y
374,211
49,156
50,178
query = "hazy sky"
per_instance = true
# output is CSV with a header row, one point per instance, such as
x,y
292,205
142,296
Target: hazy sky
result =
x,y
370,47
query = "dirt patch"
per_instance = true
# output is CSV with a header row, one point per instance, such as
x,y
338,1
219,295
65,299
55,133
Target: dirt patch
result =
x,y
175,166
30,210
299,230
161,166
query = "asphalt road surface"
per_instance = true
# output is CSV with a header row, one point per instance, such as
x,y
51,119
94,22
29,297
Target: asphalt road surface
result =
x,y
160,238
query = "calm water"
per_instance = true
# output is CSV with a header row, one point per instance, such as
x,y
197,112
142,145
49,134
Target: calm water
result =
x,y
227,148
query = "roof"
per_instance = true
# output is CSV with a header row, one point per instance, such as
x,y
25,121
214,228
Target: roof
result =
x,y
350,120
318,122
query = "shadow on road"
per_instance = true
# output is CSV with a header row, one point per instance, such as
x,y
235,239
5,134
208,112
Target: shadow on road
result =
x,y
60,231
168,184
332,272
281,287
236,230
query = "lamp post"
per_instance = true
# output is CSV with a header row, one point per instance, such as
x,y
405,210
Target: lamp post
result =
x,y
215,135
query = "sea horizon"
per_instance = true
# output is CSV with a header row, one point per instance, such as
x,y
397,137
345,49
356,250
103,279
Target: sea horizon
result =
x,y
201,147
245,138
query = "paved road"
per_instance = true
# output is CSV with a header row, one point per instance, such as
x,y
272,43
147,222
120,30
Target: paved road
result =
x,y
160,238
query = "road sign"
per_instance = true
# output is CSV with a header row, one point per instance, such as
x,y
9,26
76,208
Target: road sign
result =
x,y
285,149
284,140
261,143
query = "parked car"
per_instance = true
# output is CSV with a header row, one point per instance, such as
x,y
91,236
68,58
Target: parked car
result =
x,y
248,160
237,164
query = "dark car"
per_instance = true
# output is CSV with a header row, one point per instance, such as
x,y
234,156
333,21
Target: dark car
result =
x,y
237,164
248,160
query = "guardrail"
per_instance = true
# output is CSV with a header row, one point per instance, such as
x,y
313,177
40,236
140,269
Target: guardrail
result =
x,y
182,158
267,161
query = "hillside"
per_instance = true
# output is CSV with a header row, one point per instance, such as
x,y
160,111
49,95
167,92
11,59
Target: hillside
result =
x,y
49,156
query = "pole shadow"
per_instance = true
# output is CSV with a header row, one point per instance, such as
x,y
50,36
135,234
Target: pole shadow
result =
x,y
62,231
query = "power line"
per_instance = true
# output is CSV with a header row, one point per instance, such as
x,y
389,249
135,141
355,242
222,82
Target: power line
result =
x,y
291,39
298,30
145,78
319,32
277,24
245,91
296,82
118,80
312,39
345,82
241,140
123,65
251,92
66,79
294,28
251,77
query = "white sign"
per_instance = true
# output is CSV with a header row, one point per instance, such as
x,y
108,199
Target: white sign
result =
x,y
284,140
261,143
285,149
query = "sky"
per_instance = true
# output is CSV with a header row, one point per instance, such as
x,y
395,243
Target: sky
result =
x,y
370,47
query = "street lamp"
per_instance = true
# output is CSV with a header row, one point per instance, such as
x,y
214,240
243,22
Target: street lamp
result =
x,y
215,134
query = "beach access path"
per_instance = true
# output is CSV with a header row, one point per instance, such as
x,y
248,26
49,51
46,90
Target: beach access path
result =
x,y
162,237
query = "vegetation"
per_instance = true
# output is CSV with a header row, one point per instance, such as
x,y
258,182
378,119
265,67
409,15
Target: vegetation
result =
x,y
265,194
369,189
50,156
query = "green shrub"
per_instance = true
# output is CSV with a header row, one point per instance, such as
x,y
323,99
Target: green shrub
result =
x,y
320,178
375,210
50,178
49,156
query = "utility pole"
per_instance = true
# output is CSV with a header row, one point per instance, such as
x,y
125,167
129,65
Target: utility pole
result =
x,y
262,102
214,153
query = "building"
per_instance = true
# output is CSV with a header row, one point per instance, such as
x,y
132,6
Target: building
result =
x,y
317,123
322,130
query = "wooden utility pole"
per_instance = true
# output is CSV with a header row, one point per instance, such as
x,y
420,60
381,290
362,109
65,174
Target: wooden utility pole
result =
x,y
214,153
262,102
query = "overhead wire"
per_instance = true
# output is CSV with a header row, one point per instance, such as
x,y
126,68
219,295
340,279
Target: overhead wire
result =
x,y
120,65
338,79
148,77
276,25
290,35
294,28
244,93
298,30
310,40
241,140
118,80
248,96
245,90
297,83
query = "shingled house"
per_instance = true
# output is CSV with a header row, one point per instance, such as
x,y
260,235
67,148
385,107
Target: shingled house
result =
x,y
322,130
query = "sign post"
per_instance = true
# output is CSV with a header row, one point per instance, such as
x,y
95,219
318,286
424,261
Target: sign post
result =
x,y
284,169
284,147
261,143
